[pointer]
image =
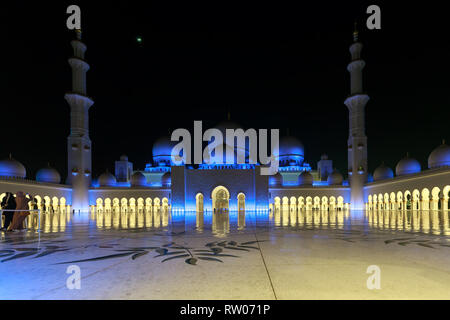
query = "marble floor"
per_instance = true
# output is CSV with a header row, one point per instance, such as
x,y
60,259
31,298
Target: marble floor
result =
x,y
246,255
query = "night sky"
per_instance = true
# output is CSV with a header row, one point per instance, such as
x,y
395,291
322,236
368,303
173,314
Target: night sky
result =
x,y
272,66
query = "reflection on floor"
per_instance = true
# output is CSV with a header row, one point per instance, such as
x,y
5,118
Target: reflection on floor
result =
x,y
285,254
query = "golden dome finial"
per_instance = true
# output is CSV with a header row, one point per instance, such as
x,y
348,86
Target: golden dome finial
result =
x,y
78,33
355,33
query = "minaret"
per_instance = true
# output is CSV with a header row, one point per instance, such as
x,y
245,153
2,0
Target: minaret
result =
x,y
79,151
357,140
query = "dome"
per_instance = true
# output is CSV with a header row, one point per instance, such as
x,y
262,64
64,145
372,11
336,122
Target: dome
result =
x,y
276,179
225,148
291,151
12,168
305,179
123,158
107,180
291,146
335,178
166,179
228,124
407,166
48,175
439,157
162,151
383,172
138,179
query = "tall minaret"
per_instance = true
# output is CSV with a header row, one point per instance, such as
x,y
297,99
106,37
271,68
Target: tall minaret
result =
x,y
79,151
357,140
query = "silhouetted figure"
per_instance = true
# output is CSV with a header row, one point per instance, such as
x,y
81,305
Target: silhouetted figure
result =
x,y
8,203
20,216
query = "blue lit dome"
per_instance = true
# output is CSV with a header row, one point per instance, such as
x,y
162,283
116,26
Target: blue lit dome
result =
x,y
162,151
49,175
335,178
138,179
440,157
276,179
407,166
107,180
12,168
166,179
225,148
383,172
305,179
291,151
228,124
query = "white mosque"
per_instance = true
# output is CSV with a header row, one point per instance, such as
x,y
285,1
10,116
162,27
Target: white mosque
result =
x,y
212,187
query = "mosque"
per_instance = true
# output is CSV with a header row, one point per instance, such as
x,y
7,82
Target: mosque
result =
x,y
216,186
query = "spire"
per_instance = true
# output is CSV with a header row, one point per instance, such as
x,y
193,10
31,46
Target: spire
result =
x,y
10,156
78,33
355,33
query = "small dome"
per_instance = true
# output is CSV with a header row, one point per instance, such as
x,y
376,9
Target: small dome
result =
x,y
162,151
107,180
335,178
291,146
276,179
166,179
383,172
305,179
291,151
324,157
138,179
407,166
439,157
48,175
123,158
12,168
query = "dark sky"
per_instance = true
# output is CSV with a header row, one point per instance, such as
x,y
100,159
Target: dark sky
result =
x,y
272,66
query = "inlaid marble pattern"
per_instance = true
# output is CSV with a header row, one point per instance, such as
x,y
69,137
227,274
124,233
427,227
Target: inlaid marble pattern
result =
x,y
281,255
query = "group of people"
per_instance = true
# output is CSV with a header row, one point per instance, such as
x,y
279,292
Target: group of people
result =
x,y
15,210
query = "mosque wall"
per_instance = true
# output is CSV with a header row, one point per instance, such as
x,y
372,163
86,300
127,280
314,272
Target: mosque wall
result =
x,y
205,181
35,188
261,189
425,180
331,191
127,193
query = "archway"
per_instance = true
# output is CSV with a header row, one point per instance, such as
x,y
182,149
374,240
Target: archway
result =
x,y
199,202
220,198
241,201
446,198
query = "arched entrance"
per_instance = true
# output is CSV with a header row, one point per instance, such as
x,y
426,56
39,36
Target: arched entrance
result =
x,y
241,201
199,202
220,199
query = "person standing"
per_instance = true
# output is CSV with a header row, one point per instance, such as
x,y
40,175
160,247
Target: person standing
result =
x,y
8,203
21,213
